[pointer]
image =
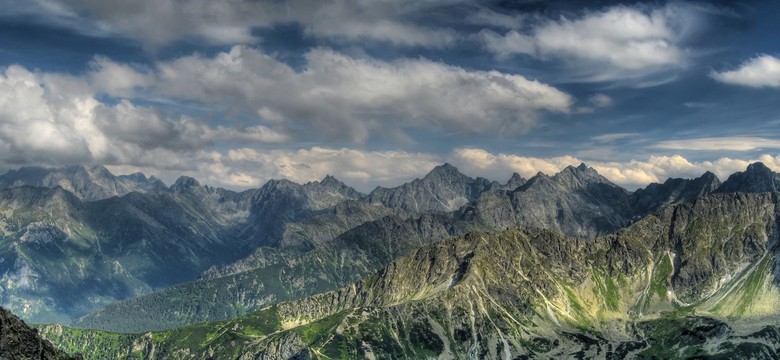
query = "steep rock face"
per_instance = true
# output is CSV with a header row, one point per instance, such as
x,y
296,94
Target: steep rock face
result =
x,y
757,178
19,341
444,189
513,183
576,202
281,201
672,191
87,183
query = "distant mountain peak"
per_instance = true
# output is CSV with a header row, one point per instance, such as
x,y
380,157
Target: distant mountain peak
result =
x,y
516,179
444,170
88,183
582,173
758,167
756,178
330,180
184,183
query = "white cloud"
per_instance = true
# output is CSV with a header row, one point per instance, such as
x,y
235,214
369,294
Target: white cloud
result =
x,y
487,17
119,80
160,22
761,71
614,136
601,100
35,124
345,98
54,119
615,43
731,143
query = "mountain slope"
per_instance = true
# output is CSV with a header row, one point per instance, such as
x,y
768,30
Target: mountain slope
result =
x,y
527,293
19,341
49,261
576,202
87,183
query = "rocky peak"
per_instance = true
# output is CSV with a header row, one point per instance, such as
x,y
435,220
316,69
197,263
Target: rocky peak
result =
x,y
756,178
184,183
443,189
515,182
709,181
512,184
444,171
87,183
672,191
758,168
583,173
100,170
330,180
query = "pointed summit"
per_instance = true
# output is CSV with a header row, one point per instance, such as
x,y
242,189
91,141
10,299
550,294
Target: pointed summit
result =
x,y
443,189
756,178
184,183
331,181
580,176
445,170
758,168
515,181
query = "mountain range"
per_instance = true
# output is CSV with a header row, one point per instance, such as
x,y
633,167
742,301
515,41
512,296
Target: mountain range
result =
x,y
128,254
696,279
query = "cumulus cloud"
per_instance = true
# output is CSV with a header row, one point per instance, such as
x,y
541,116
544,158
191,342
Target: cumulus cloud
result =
x,y
729,143
349,99
119,80
55,119
613,43
761,71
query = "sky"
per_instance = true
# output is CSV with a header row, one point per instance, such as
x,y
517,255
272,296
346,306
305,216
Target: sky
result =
x,y
378,92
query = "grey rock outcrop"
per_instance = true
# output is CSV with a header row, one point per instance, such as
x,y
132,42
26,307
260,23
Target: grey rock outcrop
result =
x,y
757,178
672,191
87,183
444,189
18,341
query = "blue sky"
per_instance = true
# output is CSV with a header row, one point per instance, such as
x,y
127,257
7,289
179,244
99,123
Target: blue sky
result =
x,y
378,92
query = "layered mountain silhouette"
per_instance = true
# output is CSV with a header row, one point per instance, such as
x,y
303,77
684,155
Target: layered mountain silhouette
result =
x,y
208,253
87,183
